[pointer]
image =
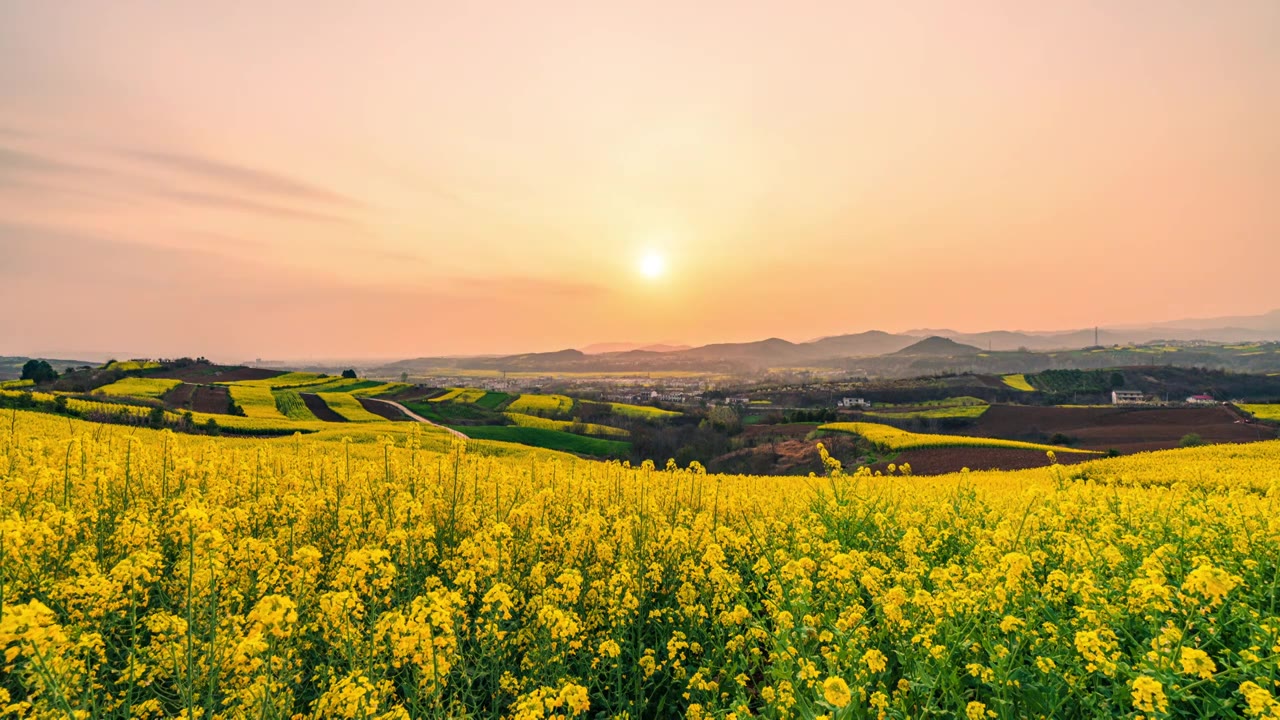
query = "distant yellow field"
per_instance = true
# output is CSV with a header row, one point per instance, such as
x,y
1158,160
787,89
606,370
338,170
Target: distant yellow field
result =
x,y
462,395
541,404
645,412
1263,411
896,439
349,407
1018,382
564,425
138,387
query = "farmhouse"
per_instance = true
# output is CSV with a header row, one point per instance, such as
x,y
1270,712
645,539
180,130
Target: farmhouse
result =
x,y
1128,397
855,402
1201,400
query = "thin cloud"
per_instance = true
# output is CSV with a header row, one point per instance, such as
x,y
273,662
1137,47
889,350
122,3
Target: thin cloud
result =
x,y
244,178
241,204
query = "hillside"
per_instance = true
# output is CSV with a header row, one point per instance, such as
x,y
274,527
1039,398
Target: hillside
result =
x,y
937,346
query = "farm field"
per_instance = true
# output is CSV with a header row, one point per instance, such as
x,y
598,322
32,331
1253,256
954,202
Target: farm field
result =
x,y
644,412
548,424
138,387
1018,381
541,404
256,401
549,439
895,439
1263,411
1125,429
348,407
462,582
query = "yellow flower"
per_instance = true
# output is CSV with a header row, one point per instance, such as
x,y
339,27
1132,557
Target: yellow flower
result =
x,y
975,711
1197,662
1148,695
875,660
836,692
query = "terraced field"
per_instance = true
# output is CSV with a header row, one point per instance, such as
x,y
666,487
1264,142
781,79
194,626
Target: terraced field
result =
x,y
256,401
348,407
894,439
138,387
564,425
541,404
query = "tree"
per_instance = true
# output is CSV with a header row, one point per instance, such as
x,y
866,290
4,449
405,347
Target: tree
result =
x,y
39,371
1117,380
349,373
404,376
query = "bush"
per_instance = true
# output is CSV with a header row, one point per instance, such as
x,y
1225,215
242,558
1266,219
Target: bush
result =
x,y
39,371
1191,440
349,374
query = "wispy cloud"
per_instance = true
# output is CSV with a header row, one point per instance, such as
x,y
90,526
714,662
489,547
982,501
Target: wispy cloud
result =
x,y
45,173
244,178
243,204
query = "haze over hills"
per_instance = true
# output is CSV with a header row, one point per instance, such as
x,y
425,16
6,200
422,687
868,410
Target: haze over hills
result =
x,y
878,352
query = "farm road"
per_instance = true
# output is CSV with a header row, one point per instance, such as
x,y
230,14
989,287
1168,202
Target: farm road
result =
x,y
418,417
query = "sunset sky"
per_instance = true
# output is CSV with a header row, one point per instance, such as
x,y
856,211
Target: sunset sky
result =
x,y
316,179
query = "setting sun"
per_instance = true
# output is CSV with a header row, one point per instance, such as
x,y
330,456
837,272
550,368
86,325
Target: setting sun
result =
x,y
653,265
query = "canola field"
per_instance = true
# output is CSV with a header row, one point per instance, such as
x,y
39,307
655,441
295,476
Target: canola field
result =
x,y
541,404
1263,411
892,438
148,574
138,387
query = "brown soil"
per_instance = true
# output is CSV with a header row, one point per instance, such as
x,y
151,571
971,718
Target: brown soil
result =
x,y
317,407
199,398
784,455
1124,429
390,412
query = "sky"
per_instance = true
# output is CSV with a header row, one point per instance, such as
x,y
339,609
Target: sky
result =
x,y
323,179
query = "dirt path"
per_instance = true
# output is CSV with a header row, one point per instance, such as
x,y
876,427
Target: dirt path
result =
x,y
415,416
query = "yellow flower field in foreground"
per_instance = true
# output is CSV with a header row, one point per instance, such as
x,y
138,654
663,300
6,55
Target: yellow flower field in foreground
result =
x,y
148,574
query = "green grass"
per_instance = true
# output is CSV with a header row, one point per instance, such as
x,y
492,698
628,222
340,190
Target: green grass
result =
x,y
349,407
256,401
1018,382
138,387
291,405
548,439
895,439
644,412
493,400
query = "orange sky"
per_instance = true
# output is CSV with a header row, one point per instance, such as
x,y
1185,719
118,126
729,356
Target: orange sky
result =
x,y
307,180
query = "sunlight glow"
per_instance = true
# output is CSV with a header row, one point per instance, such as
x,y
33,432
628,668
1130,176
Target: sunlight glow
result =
x,y
652,265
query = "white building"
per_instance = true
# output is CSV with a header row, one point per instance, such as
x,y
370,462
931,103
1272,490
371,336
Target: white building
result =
x,y
1201,400
1128,397
855,402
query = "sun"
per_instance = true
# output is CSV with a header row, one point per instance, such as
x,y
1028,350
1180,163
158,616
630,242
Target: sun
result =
x,y
652,265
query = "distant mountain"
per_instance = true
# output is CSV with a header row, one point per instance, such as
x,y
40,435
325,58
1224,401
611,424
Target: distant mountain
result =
x,y
881,353
602,348
867,344
937,346
1266,322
